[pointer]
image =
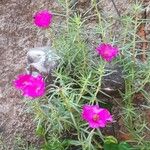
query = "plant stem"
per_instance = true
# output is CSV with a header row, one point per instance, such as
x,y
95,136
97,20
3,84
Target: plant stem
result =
x,y
67,14
134,41
101,72
116,8
99,20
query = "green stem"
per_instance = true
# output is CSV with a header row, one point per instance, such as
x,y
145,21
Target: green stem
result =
x,y
99,20
67,14
65,100
101,73
134,41
84,87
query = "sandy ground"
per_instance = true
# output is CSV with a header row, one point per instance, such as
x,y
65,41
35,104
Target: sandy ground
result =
x,y
17,35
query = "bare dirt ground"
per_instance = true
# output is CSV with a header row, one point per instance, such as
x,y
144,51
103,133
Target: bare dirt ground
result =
x,y
17,35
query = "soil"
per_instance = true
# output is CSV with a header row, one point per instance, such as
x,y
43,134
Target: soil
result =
x,y
17,35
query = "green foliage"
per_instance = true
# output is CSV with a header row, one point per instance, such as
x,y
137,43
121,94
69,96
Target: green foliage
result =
x,y
111,143
40,131
78,79
55,143
110,140
120,146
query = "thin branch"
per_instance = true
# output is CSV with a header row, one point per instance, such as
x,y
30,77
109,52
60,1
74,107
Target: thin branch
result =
x,y
116,8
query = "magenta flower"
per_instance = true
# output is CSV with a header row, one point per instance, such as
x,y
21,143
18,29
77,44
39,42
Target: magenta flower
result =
x,y
95,116
43,18
31,86
107,51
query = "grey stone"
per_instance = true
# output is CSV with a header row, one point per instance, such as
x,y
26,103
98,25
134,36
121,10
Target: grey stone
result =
x,y
113,83
41,60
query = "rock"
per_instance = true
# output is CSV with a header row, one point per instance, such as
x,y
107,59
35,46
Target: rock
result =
x,y
147,88
41,60
114,82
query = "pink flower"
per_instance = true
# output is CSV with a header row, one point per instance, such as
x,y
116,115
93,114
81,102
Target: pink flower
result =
x,y
107,51
31,86
95,116
43,18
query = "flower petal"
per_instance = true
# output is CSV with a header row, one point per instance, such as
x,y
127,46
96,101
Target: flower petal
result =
x,y
107,51
30,86
43,18
96,116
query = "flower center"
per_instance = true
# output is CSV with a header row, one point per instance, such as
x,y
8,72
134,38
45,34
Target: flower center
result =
x,y
96,117
107,53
